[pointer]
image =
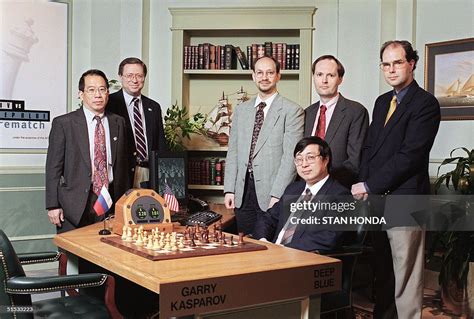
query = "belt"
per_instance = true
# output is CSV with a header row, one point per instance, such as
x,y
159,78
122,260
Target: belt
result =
x,y
142,163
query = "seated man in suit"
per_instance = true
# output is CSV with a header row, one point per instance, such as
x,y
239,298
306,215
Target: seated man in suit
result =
x,y
312,157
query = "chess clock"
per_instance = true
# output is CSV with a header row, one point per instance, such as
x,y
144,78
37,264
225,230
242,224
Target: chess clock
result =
x,y
142,207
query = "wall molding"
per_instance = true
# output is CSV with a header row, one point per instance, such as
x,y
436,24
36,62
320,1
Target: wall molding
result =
x,y
22,189
21,170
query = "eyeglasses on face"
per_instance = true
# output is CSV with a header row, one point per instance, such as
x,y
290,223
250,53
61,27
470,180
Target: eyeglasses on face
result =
x,y
131,76
261,74
310,159
398,64
93,90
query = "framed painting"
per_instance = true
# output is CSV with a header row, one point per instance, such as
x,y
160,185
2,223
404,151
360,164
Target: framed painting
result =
x,y
449,76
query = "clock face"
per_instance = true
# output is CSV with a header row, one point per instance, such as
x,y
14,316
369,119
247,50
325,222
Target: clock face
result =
x,y
146,209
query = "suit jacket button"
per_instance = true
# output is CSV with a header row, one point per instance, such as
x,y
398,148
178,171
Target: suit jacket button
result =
x,y
134,153
87,191
133,169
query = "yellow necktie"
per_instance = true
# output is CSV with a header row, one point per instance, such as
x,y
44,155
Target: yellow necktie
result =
x,y
391,110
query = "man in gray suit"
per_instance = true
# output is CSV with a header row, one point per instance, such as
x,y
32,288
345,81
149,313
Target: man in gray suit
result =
x,y
341,122
259,163
78,163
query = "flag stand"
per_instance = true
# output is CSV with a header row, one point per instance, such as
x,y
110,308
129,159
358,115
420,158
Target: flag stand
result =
x,y
104,231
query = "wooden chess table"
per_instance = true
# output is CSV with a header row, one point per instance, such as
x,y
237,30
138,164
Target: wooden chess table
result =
x,y
214,283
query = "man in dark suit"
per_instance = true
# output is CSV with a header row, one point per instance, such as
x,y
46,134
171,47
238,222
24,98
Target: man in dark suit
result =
x,y
87,150
143,118
341,122
395,161
312,157
259,163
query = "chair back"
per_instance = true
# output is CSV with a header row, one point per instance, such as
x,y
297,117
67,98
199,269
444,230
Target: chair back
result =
x,y
10,268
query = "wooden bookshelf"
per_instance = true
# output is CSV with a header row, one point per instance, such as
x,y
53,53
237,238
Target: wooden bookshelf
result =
x,y
199,89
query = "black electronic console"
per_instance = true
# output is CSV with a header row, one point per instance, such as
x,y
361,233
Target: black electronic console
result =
x,y
203,218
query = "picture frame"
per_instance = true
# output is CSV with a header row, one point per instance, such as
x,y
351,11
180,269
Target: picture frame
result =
x,y
449,76
169,168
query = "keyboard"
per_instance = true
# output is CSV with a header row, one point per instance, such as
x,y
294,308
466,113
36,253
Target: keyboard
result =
x,y
204,218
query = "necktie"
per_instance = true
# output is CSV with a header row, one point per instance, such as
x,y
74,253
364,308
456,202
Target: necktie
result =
x,y
391,110
259,117
290,228
140,141
321,128
100,158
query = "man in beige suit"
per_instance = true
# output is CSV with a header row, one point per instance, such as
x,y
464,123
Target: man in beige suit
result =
x,y
259,163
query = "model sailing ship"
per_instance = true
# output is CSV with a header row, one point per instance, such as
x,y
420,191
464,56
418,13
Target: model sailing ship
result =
x,y
220,118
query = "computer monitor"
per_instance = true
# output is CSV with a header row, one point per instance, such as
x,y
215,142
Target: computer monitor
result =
x,y
170,168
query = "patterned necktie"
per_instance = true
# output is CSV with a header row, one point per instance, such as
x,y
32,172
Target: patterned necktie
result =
x,y
100,177
259,117
290,228
321,128
391,110
140,141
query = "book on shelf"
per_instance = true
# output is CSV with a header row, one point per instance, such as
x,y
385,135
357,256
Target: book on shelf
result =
x,y
206,56
206,171
241,57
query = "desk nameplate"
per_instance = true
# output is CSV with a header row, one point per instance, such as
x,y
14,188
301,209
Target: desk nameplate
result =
x,y
230,292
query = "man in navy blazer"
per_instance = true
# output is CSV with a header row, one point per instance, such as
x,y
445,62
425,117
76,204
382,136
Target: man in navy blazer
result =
x,y
395,160
132,72
345,121
312,157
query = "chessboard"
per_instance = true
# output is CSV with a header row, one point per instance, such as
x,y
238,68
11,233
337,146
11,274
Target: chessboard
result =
x,y
195,241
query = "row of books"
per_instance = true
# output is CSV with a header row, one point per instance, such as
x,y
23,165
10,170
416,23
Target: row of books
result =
x,y
207,56
206,171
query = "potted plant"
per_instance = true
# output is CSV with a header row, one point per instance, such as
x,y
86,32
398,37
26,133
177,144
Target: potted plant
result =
x,y
178,126
457,247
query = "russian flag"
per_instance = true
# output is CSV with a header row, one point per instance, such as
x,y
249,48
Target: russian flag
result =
x,y
103,203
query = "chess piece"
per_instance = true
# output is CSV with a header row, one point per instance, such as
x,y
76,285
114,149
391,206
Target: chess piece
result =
x,y
241,239
156,244
232,240
150,244
124,232
129,234
139,241
192,244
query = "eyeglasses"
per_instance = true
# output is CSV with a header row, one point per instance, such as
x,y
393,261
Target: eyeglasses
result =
x,y
131,76
92,90
260,74
385,66
310,159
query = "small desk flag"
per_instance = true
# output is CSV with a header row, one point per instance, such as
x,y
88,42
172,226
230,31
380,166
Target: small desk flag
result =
x,y
103,202
170,199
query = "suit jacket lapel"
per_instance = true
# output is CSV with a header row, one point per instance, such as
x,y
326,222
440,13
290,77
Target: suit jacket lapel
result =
x,y
311,118
269,122
336,119
79,127
147,110
395,118
113,131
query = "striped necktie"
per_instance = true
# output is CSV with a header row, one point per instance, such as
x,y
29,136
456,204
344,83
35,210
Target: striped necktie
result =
x,y
140,141
290,228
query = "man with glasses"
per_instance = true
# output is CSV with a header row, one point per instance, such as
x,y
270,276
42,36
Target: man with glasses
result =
x,y
87,150
395,160
339,121
143,118
312,158
259,162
